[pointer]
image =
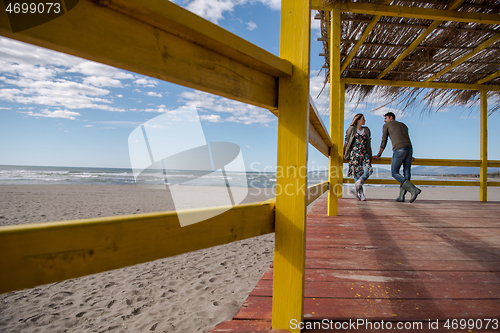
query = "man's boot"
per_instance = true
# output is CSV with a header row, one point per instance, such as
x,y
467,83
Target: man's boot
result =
x,y
408,185
402,193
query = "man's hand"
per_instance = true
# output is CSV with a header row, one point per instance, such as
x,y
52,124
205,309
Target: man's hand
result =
x,y
413,159
376,157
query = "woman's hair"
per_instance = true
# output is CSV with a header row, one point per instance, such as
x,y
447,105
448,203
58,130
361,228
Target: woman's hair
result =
x,y
355,119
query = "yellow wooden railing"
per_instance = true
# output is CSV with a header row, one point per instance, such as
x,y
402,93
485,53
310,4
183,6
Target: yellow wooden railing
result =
x,y
165,41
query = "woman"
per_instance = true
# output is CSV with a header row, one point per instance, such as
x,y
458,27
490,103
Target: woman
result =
x,y
358,150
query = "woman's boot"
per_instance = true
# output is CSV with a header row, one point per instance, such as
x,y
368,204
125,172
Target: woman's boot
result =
x,y
362,194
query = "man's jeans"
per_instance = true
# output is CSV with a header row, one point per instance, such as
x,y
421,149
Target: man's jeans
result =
x,y
365,174
402,156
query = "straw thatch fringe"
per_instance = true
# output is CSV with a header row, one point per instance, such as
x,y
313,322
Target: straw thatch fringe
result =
x,y
443,46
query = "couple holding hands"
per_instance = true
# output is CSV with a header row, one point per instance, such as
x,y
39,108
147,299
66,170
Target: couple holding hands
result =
x,y
358,150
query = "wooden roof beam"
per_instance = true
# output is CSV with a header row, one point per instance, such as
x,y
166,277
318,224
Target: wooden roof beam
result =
x,y
417,84
361,40
165,41
463,58
419,26
409,12
417,41
423,61
488,78
418,47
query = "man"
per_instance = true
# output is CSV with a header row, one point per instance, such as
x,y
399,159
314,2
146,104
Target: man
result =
x,y
402,155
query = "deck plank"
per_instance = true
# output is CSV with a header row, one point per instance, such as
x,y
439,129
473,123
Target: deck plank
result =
x,y
382,260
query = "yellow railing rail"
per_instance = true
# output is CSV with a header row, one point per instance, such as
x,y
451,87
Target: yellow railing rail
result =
x,y
35,254
318,134
440,162
426,182
315,191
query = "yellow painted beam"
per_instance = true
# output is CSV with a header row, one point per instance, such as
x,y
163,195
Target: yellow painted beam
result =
x,y
415,84
417,41
493,164
465,57
360,42
483,174
341,139
441,162
425,182
317,142
335,167
435,162
137,36
315,191
488,78
293,125
36,254
317,123
409,12
181,22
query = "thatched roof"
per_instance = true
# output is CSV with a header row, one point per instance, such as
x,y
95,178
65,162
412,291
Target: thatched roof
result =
x,y
442,47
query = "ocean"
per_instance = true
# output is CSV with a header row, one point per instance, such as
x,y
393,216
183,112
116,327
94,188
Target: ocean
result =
x,y
43,175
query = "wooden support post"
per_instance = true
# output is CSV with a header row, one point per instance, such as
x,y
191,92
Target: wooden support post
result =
x,y
341,138
293,124
483,175
335,167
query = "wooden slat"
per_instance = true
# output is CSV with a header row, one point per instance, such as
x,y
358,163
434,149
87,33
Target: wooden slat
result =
x,y
47,252
463,58
293,125
440,162
409,12
417,41
315,191
415,84
317,141
317,122
360,41
334,165
146,37
488,78
426,182
483,173
318,135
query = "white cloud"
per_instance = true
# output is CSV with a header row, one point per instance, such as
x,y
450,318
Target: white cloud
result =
x,y
213,118
119,96
152,93
102,81
90,68
251,25
239,112
145,82
213,10
54,114
33,75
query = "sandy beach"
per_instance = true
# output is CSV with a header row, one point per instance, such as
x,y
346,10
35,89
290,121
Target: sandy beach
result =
x,y
187,293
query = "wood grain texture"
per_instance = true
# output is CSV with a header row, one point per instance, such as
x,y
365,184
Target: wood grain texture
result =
x,y
132,36
293,126
48,252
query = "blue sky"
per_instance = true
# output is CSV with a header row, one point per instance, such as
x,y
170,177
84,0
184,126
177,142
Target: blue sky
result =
x,y
59,110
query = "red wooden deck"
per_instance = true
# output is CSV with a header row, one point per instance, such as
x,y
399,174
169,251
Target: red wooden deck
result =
x,y
398,262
